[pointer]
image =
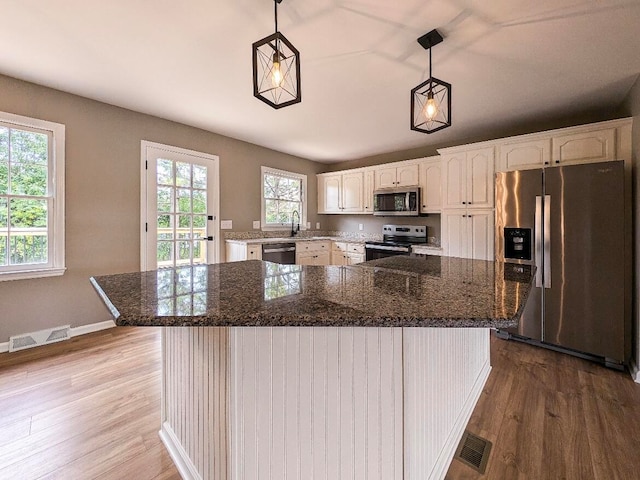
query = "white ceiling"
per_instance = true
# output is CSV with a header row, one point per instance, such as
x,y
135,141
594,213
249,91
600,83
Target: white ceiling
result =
x,y
509,61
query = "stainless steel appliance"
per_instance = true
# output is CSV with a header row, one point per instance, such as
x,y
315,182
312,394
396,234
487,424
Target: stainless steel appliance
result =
x,y
396,240
397,201
569,222
284,253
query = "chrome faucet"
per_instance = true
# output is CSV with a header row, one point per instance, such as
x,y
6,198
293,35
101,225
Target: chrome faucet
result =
x,y
297,229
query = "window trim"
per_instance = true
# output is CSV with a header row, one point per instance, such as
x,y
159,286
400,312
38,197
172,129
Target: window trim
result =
x,y
284,173
56,230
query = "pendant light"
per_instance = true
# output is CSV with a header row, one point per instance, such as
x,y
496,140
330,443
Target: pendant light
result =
x,y
276,69
431,100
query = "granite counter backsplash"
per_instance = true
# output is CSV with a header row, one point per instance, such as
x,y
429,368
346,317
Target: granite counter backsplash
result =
x,y
400,291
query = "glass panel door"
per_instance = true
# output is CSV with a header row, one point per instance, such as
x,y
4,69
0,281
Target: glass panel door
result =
x,y
180,218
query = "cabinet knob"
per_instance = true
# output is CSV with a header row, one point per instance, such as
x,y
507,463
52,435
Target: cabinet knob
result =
x,y
424,206
464,203
546,163
557,161
468,203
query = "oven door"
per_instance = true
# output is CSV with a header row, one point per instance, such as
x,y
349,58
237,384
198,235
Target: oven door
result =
x,y
374,252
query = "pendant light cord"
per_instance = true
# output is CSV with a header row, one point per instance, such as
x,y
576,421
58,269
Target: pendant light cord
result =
x,y
430,76
275,13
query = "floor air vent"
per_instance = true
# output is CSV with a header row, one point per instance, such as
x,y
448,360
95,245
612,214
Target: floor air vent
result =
x,y
43,337
474,451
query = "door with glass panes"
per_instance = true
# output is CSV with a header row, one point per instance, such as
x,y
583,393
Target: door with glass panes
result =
x,y
179,207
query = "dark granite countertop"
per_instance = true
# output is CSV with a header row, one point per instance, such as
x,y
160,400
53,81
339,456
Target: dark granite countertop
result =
x,y
400,291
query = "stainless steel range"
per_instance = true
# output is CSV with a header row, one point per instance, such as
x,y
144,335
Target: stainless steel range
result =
x,y
396,240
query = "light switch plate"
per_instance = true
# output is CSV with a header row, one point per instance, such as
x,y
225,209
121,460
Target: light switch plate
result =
x,y
360,226
308,225
256,224
226,224
317,225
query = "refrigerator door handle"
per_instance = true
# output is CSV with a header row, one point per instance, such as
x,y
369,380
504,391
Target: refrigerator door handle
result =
x,y
537,252
547,242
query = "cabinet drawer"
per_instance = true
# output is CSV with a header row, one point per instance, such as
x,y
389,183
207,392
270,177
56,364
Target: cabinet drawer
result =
x,y
355,248
339,246
307,246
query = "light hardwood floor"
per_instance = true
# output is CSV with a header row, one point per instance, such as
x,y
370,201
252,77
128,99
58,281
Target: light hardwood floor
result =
x,y
83,409
90,408
554,416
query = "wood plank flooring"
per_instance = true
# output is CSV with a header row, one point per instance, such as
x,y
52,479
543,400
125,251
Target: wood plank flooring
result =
x,y
553,416
89,408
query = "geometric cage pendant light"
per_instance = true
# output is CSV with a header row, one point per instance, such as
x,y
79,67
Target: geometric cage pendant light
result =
x,y
431,100
276,69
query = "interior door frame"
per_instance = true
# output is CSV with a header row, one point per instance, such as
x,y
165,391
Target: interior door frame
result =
x,y
145,145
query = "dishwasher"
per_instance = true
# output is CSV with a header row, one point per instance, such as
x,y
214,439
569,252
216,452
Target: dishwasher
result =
x,y
284,253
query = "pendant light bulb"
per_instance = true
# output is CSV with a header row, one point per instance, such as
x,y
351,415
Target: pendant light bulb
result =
x,y
276,72
431,107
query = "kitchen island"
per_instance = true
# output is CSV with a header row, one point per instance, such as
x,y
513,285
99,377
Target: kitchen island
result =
x,y
298,372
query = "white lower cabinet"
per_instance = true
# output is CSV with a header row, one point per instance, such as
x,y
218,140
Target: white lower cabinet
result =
x,y
344,253
313,253
468,234
237,252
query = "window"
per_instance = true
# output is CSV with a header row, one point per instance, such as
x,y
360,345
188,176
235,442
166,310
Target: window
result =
x,y
31,198
283,193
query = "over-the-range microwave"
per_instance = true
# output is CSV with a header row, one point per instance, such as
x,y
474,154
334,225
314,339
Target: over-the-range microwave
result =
x,y
403,201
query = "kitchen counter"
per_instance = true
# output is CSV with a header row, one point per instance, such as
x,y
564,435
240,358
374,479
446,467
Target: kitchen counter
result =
x,y
259,241
271,398
399,291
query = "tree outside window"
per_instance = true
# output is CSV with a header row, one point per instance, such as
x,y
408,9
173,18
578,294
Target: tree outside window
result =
x,y
282,194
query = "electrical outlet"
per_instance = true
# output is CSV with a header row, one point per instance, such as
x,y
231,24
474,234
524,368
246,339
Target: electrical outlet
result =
x,y
226,224
360,226
308,225
317,225
256,224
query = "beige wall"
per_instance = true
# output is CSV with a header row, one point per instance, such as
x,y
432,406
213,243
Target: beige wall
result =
x,y
632,106
103,198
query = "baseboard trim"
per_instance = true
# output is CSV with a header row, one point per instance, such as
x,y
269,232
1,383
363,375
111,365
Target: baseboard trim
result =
x,y
448,451
181,460
92,327
75,331
634,371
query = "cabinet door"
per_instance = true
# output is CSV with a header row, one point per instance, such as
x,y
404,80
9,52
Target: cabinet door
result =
x,y
431,186
254,252
480,172
338,257
329,188
352,189
305,258
385,177
355,258
586,147
407,175
455,180
369,183
322,258
481,234
454,234
524,155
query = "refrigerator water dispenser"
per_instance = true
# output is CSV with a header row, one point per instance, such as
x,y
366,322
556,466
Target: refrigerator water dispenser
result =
x,y
517,243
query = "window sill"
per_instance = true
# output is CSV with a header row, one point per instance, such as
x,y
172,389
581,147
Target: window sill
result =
x,y
34,273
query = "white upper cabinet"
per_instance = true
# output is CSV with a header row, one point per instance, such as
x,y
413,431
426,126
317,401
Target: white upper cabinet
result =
x,y
341,192
598,142
369,185
584,147
431,185
468,178
397,176
525,155
352,190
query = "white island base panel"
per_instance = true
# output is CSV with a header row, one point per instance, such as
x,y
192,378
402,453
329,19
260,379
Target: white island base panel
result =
x,y
322,403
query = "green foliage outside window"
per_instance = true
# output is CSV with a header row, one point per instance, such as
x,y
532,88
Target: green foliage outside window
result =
x,y
24,170
282,196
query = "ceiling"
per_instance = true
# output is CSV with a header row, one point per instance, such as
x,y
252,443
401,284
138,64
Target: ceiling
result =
x,y
509,62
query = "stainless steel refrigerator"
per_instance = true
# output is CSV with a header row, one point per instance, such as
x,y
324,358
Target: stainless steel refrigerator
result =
x,y
570,222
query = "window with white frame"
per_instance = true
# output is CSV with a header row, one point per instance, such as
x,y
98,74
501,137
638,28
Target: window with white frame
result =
x,y
31,197
284,194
